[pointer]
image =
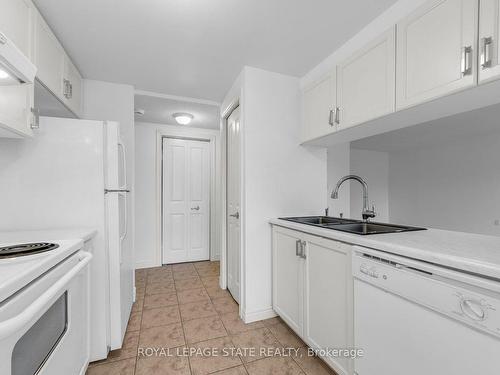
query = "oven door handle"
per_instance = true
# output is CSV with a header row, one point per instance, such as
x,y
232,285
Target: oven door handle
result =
x,y
10,326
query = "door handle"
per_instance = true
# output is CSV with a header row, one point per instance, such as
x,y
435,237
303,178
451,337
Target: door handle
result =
x,y
197,208
486,44
236,215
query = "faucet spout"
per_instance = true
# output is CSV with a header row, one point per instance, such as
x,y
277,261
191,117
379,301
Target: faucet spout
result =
x,y
367,213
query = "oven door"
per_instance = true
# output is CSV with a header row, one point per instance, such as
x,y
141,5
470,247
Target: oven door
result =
x,y
44,328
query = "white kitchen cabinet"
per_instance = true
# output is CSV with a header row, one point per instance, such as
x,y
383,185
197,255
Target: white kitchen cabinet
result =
x,y
366,82
312,291
16,23
319,103
489,40
436,51
72,87
49,58
16,117
288,278
328,298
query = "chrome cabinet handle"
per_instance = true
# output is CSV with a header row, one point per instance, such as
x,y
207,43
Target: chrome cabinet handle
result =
x,y
486,44
197,208
236,215
466,61
331,119
337,115
303,249
298,244
67,89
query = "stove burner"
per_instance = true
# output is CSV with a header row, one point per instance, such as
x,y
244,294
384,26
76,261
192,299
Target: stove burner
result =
x,y
26,249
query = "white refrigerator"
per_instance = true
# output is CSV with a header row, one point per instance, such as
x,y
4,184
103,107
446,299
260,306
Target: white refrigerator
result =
x,y
72,174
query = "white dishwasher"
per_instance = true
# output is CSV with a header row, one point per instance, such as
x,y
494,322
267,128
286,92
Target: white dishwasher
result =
x,y
416,318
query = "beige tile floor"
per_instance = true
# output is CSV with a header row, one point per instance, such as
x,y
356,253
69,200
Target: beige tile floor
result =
x,y
179,308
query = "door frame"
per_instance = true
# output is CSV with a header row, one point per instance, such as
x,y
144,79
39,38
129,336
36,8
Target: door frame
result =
x,y
225,113
196,134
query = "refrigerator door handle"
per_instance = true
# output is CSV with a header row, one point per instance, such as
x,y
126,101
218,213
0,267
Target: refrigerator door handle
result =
x,y
121,146
125,229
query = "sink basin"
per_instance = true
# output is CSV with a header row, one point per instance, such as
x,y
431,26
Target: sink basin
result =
x,y
373,228
351,226
320,220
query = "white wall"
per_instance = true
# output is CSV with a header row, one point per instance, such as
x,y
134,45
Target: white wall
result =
x,y
338,166
280,177
115,102
145,193
373,167
146,235
454,185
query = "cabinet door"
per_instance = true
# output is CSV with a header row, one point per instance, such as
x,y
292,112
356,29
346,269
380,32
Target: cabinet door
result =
x,y
49,58
436,51
15,23
288,278
319,102
328,298
16,102
366,82
489,42
73,97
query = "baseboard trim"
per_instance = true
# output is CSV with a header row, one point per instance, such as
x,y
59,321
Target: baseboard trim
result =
x,y
146,264
254,316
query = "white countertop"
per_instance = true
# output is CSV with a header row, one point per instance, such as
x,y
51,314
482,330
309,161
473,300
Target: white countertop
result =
x,y
42,235
475,253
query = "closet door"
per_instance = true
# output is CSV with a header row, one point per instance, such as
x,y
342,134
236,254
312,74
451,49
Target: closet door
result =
x,y
186,200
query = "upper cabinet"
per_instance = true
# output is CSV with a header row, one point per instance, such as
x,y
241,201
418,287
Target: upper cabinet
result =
x,y
366,82
436,51
72,87
55,70
49,57
319,105
16,23
489,42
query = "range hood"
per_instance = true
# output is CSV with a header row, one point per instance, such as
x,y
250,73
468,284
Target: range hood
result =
x,y
15,67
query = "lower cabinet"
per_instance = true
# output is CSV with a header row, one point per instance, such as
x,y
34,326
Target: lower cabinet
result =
x,y
312,291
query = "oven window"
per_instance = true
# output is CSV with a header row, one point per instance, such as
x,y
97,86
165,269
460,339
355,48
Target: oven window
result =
x,y
35,347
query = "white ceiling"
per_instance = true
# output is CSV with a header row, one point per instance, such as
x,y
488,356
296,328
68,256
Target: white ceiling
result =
x,y
196,48
160,111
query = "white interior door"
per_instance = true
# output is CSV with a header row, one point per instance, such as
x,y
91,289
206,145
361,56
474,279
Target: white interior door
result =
x,y
186,200
233,204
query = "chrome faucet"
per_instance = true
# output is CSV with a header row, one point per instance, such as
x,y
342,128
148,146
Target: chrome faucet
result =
x,y
367,213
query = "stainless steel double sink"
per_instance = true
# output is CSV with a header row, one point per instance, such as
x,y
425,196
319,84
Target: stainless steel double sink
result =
x,y
351,226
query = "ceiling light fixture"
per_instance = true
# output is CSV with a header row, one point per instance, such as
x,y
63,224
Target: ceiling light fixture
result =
x,y
183,118
3,74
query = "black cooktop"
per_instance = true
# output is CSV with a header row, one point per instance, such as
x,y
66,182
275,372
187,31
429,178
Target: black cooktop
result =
x,y
26,249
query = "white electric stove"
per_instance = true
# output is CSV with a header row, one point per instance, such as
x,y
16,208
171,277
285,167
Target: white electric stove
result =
x,y
44,307
18,270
